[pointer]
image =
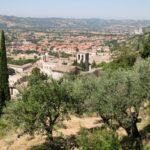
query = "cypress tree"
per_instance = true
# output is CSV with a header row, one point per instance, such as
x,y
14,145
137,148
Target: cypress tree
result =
x,y
4,84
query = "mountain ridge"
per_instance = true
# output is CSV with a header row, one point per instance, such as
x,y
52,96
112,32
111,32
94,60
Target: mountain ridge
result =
x,y
68,23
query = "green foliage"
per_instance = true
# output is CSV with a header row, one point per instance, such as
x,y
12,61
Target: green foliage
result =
x,y
21,61
75,63
113,45
143,69
82,89
119,98
11,71
128,143
82,65
55,54
145,53
36,77
140,44
125,53
42,105
60,54
65,55
93,64
145,147
116,96
4,85
25,52
124,60
6,125
4,129
98,140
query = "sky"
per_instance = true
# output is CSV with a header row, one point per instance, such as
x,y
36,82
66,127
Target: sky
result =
x,y
105,9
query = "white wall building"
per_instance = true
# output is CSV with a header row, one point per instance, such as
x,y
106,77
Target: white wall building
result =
x,y
138,31
53,69
82,57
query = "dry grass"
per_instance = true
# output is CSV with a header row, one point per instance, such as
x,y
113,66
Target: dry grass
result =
x,y
73,126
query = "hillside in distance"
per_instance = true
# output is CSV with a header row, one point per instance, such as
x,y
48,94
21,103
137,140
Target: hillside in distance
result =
x,y
67,23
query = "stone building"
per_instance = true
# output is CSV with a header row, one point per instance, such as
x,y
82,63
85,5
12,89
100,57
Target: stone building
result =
x,y
84,58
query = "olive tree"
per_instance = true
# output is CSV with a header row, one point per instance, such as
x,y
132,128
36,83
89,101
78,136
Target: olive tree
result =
x,y
82,89
118,100
41,107
143,69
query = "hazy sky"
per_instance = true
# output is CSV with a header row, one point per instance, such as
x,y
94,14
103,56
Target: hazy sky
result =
x,y
109,9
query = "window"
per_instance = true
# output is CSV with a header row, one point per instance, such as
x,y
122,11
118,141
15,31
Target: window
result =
x,y
78,56
82,57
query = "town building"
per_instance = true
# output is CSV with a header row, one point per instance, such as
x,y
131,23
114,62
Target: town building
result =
x,y
83,58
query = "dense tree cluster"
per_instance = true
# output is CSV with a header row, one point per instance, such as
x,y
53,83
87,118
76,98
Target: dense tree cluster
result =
x,y
116,96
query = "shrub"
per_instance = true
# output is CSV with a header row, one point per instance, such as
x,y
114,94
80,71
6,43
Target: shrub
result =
x,y
146,147
98,140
